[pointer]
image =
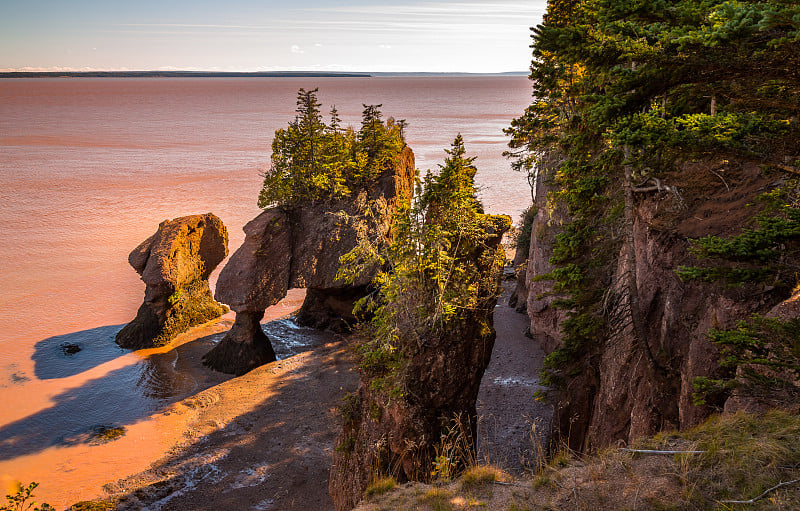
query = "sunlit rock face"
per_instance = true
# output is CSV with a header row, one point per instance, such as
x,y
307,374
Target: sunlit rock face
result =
x,y
301,247
174,263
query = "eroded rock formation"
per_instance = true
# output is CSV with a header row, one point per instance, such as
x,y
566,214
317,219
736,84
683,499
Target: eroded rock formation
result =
x,y
300,247
255,277
174,264
629,388
397,430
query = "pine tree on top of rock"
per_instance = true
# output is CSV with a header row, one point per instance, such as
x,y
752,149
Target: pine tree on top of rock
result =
x,y
313,162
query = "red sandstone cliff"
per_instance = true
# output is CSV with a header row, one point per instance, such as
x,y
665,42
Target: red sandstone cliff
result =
x,y
628,389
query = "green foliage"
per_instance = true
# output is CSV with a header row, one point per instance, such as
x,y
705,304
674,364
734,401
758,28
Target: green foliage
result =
x,y
761,356
347,445
22,500
429,278
380,486
524,233
313,161
190,306
757,254
350,408
640,87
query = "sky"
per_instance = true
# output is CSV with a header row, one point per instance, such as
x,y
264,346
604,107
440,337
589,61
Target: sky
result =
x,y
481,36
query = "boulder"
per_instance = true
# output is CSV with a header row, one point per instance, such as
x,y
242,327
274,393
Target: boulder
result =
x,y
257,274
174,264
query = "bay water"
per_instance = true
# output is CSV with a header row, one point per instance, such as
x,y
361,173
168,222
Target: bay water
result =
x,y
89,168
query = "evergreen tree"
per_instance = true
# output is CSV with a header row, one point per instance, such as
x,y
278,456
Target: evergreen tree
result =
x,y
624,92
315,162
454,187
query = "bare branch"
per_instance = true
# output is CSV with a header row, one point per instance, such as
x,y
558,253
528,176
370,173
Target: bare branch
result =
x,y
753,500
655,451
787,168
721,178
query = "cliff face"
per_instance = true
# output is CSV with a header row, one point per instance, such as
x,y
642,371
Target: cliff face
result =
x,y
398,432
300,247
174,264
627,388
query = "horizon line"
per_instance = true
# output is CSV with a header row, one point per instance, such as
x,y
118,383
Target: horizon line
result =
x,y
200,73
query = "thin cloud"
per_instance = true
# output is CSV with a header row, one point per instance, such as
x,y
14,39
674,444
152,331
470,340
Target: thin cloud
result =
x,y
483,10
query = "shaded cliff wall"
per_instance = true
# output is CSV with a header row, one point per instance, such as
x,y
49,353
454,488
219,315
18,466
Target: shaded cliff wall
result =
x,y
627,389
395,428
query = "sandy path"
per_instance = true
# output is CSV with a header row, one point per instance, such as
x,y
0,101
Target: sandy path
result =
x,y
512,426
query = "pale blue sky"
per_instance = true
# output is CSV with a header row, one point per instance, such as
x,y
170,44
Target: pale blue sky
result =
x,y
241,35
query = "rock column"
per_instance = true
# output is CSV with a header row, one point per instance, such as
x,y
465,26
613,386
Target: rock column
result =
x,y
175,263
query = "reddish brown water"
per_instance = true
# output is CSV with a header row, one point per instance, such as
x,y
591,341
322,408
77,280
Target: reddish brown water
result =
x,y
91,166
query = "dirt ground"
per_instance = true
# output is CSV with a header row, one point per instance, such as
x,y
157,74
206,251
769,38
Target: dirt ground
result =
x,y
264,440
512,425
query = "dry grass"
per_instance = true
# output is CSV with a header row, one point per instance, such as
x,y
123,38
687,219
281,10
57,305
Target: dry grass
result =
x,y
380,486
481,475
744,456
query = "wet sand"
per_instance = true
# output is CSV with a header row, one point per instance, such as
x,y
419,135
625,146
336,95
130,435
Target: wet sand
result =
x,y
261,441
75,466
512,425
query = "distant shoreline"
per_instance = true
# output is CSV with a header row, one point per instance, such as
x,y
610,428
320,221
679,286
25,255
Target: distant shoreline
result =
x,y
215,74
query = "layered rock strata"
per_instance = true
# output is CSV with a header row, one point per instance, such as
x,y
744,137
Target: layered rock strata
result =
x,y
300,247
174,264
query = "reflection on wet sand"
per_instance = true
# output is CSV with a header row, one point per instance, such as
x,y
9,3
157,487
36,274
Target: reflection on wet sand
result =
x,y
69,444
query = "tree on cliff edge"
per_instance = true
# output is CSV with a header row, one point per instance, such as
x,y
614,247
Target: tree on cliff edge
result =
x,y
423,354
626,93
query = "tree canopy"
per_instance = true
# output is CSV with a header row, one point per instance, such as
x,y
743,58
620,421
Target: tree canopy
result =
x,y
313,161
429,278
625,92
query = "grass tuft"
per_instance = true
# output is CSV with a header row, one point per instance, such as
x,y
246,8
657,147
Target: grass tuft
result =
x,y
380,486
481,476
438,499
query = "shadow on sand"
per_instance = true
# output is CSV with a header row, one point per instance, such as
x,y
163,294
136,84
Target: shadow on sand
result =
x,y
275,455
120,397
66,355
127,394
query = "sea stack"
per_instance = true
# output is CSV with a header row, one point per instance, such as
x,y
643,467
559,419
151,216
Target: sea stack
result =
x,y
255,277
174,264
300,247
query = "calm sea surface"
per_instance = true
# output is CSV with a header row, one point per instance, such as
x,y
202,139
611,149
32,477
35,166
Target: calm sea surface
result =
x,y
90,167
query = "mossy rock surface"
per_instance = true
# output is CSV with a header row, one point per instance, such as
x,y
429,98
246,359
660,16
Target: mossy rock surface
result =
x,y
187,307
